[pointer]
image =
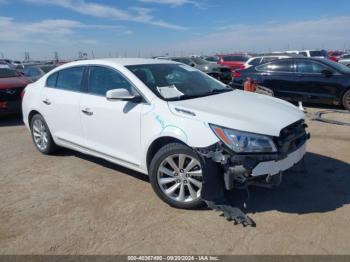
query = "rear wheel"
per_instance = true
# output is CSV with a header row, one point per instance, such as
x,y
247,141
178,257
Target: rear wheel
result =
x,y
176,176
346,100
41,135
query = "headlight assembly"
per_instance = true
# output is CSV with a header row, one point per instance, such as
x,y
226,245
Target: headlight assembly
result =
x,y
243,142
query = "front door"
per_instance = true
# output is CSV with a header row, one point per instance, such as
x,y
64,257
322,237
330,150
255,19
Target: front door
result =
x,y
111,127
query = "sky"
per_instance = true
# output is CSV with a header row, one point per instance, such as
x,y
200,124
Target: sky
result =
x,y
112,28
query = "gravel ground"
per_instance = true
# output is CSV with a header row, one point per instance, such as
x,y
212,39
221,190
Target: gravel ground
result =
x,y
75,204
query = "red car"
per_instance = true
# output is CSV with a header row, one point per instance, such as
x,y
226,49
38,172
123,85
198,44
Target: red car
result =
x,y
12,83
334,55
234,61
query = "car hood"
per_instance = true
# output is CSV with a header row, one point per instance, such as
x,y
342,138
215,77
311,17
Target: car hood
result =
x,y
245,111
12,82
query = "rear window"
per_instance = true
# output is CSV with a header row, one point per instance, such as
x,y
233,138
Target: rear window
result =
x,y
67,79
7,72
70,79
235,58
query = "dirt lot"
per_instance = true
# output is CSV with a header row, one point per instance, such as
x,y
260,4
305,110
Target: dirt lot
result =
x,y
74,204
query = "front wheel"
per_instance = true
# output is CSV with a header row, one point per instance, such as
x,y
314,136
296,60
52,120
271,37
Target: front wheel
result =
x,y
346,100
176,176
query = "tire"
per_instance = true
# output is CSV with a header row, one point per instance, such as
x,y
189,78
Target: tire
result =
x,y
41,135
162,172
346,100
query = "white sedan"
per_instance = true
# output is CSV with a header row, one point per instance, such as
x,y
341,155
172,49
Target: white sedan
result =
x,y
167,120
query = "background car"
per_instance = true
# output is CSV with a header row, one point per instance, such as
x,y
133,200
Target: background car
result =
x,y
302,79
262,59
222,73
3,64
335,55
345,60
234,62
211,59
35,72
12,83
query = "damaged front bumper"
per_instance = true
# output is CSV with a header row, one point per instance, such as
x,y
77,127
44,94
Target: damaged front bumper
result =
x,y
264,170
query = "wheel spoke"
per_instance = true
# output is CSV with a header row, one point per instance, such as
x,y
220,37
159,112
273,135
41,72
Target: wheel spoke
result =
x,y
195,173
181,196
181,161
166,171
35,128
192,191
167,180
195,182
172,189
191,165
172,163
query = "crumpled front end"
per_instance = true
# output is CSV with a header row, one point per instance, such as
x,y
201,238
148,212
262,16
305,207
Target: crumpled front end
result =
x,y
260,169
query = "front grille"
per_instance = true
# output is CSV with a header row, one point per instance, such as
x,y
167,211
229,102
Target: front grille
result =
x,y
291,137
11,94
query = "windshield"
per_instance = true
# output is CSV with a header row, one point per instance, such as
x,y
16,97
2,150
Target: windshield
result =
x,y
177,82
199,61
7,72
340,67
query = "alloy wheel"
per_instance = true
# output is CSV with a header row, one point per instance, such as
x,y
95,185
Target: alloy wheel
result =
x,y
180,177
40,134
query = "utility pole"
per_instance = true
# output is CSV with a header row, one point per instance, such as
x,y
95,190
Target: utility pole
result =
x,y
26,56
56,58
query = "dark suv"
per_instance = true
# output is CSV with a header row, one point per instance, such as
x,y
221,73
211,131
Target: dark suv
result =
x,y
302,79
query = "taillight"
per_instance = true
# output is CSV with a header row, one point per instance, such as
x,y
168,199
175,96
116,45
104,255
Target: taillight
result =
x,y
236,74
22,93
242,67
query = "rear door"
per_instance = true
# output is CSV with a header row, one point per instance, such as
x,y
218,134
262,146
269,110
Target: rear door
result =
x,y
280,77
60,104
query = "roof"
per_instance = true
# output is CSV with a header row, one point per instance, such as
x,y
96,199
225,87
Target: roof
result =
x,y
124,61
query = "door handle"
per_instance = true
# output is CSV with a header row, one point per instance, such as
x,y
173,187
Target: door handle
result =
x,y
87,111
46,101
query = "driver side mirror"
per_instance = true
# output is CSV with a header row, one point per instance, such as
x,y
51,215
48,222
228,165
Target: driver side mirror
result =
x,y
123,95
327,73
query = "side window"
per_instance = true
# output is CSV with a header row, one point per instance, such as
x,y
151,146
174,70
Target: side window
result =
x,y
255,61
310,67
70,78
51,80
269,59
283,66
103,79
303,53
